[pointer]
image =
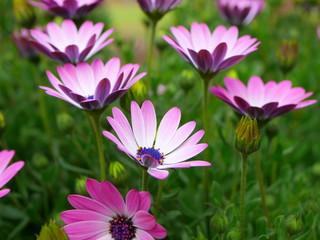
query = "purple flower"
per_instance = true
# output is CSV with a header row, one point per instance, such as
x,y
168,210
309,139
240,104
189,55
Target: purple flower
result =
x,y
67,43
6,173
67,8
21,40
155,9
94,86
262,101
211,53
240,12
106,216
155,148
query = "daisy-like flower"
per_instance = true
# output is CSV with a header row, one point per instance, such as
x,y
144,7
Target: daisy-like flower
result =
x,y
67,8
66,43
105,216
262,101
94,86
209,52
6,173
240,12
155,9
155,148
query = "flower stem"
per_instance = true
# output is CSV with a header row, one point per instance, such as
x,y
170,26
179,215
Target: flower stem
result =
x,y
159,196
153,25
144,183
206,152
262,188
244,158
94,117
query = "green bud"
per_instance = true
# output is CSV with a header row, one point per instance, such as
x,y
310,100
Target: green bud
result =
x,y
293,225
187,80
80,186
116,170
65,122
234,234
51,231
137,92
2,123
24,13
219,222
39,160
287,54
247,136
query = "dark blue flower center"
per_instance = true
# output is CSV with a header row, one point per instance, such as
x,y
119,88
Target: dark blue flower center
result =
x,y
150,157
90,97
122,228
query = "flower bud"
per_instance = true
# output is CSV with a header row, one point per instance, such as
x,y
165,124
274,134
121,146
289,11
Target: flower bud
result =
x,y
287,55
24,13
2,123
219,222
116,170
293,225
39,160
52,231
80,186
65,122
234,234
247,136
137,92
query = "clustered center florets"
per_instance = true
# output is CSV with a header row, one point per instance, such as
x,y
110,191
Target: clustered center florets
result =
x,y
150,157
122,228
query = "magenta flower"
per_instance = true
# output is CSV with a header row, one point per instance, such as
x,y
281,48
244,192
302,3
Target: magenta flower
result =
x,y
6,173
156,149
106,216
94,86
67,8
262,101
155,9
240,12
211,53
67,43
21,40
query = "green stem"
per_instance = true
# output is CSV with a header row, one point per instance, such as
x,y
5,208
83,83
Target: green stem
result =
x,y
153,25
244,158
159,196
94,117
206,152
262,188
144,183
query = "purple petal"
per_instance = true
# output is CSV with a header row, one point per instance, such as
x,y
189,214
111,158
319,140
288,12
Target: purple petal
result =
x,y
144,220
255,112
102,90
282,110
158,232
218,55
73,52
204,60
242,104
230,62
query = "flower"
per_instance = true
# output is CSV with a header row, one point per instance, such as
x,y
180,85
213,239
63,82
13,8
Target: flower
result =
x,y
6,173
240,12
21,40
152,148
67,8
155,9
106,216
262,101
94,86
211,53
67,43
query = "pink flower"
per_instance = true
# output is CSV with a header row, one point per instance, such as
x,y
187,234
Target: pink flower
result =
x,y
211,53
67,43
106,216
94,86
155,9
240,12
156,148
67,8
262,101
21,40
6,173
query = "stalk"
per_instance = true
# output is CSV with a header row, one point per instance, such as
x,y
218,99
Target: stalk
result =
x,y
150,51
244,158
144,182
159,196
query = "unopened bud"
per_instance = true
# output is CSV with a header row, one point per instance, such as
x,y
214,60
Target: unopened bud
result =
x,y
247,136
219,222
234,234
2,123
24,13
116,170
80,186
65,122
137,92
52,231
287,55
39,160
293,225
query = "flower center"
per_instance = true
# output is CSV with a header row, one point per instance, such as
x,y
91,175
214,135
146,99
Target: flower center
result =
x,y
150,157
122,228
90,97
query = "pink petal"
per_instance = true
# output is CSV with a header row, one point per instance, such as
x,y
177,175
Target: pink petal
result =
x,y
77,215
150,119
4,192
142,235
10,172
132,202
255,91
158,232
160,174
85,229
145,201
144,220
5,158
138,124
